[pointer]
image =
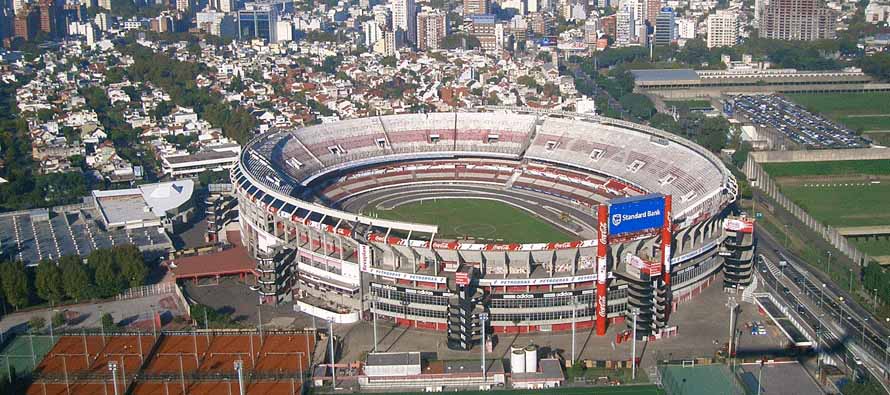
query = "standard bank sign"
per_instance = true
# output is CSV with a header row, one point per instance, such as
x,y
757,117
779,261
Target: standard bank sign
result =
x,y
634,214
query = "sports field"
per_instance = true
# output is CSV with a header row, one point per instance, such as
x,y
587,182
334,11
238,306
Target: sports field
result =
x,y
832,168
485,220
840,193
858,111
18,353
843,204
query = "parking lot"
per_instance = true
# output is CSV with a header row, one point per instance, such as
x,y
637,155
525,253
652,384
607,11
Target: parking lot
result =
x,y
30,238
795,122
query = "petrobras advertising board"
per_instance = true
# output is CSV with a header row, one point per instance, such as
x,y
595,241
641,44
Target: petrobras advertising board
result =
x,y
634,214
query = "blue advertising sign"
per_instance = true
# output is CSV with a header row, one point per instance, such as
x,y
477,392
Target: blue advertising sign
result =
x,y
637,213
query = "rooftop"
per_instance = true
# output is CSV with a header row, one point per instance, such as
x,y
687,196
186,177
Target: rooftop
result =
x,y
393,358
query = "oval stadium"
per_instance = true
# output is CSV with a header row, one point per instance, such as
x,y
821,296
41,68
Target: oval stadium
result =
x,y
530,221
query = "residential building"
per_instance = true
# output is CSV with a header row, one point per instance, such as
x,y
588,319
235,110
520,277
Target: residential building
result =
x,y
625,34
653,9
477,7
432,27
26,23
686,28
483,28
723,29
373,33
877,12
184,5
105,4
798,20
404,17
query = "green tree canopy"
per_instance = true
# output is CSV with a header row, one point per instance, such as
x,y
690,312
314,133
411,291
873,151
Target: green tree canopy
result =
x,y
48,281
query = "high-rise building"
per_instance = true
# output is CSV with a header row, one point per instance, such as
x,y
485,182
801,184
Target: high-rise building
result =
x,y
26,23
686,28
798,20
477,7
49,12
225,5
723,29
665,27
184,5
404,18
653,8
106,4
257,22
103,21
483,28
373,33
608,24
432,27
390,44
624,27
18,6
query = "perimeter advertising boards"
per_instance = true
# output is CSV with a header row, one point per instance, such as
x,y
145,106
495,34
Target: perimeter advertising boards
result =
x,y
637,213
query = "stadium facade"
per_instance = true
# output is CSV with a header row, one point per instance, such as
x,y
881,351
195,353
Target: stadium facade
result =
x,y
340,265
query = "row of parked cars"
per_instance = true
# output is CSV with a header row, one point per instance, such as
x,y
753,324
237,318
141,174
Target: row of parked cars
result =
x,y
795,122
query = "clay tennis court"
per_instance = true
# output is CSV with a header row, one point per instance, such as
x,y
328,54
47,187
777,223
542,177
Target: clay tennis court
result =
x,y
281,387
272,353
91,353
205,363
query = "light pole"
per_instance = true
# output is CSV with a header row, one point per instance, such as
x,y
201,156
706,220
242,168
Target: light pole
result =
x,y
851,279
112,366
759,377
482,318
874,301
239,369
374,315
822,295
732,305
829,263
633,346
333,368
574,306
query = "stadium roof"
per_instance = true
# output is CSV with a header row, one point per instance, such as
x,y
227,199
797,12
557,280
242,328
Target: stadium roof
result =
x,y
657,75
145,203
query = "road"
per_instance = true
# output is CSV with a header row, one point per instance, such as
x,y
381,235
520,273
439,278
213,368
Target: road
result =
x,y
843,327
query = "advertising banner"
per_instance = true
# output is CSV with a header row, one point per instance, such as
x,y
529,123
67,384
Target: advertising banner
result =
x,y
741,226
634,214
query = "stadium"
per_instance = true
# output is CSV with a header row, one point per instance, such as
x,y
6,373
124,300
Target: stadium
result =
x,y
643,210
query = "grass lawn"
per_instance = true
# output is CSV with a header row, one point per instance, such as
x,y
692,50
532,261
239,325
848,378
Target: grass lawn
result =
x,y
879,138
481,219
844,104
831,168
844,205
847,108
694,103
871,246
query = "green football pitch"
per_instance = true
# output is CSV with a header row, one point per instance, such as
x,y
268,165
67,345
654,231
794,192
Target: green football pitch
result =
x,y
858,111
17,358
484,220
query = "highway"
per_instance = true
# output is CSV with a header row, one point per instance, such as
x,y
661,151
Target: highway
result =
x,y
842,326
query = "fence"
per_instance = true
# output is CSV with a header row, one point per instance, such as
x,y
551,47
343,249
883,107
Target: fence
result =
x,y
761,180
148,290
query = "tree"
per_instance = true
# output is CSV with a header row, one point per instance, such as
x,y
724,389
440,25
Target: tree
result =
x,y
388,61
36,323
638,105
75,279
48,282
131,264
58,319
107,273
108,322
14,281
